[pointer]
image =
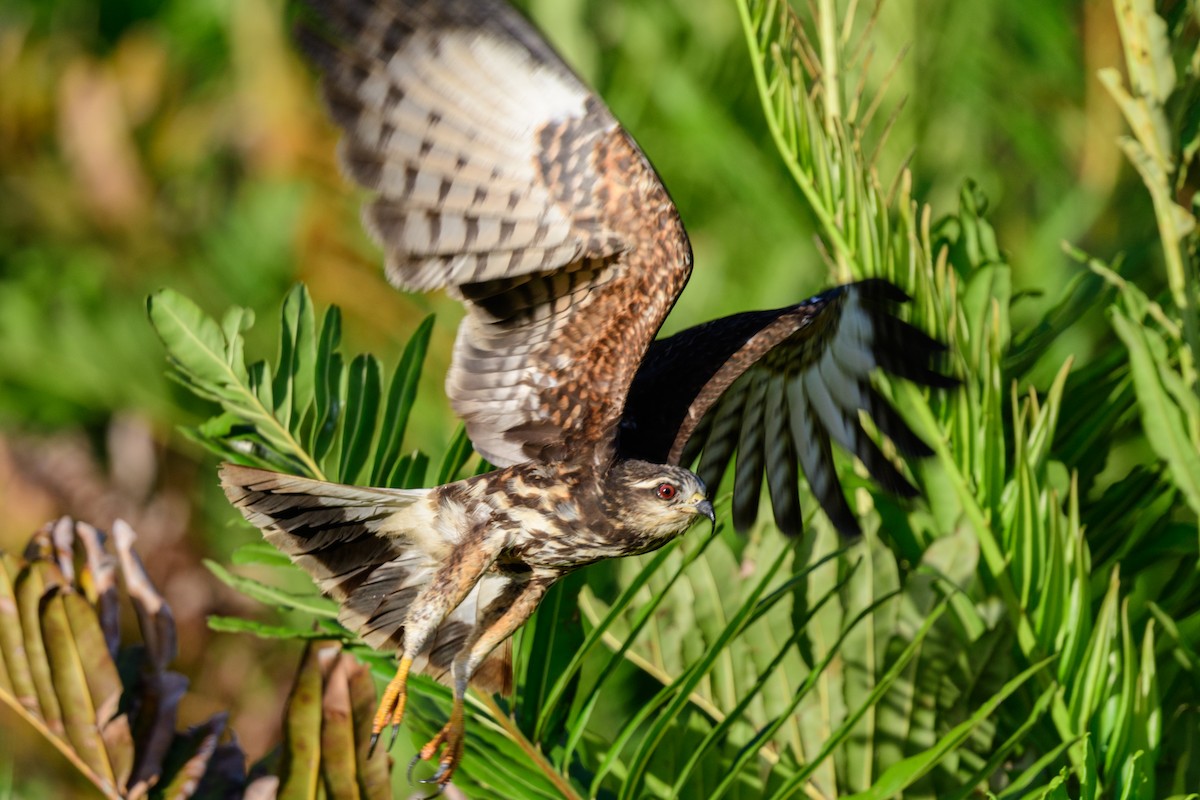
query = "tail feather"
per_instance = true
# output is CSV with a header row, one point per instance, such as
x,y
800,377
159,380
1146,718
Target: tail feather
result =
x,y
373,551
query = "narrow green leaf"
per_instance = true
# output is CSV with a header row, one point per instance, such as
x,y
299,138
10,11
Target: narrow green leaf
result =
x,y
193,340
998,756
1161,418
262,384
577,724
1020,786
295,377
1089,686
261,553
720,732
1147,713
313,604
1116,723
398,405
328,380
398,475
410,471
899,777
1071,644
457,454
1185,651
324,630
881,687
596,635
684,685
1089,780
197,349
360,397
541,652
237,321
1133,782
1044,426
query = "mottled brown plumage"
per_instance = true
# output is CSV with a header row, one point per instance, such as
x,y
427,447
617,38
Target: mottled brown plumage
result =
x,y
496,175
445,575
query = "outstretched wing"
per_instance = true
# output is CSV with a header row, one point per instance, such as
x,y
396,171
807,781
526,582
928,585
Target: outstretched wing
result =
x,y
497,174
779,388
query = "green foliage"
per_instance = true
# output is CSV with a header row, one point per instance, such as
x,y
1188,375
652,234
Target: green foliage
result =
x,y
988,588
309,412
1009,485
1030,630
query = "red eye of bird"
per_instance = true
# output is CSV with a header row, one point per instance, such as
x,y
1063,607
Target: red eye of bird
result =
x,y
665,491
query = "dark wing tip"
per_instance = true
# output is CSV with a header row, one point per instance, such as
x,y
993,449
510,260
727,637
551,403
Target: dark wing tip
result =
x,y
901,348
788,517
745,511
880,289
847,527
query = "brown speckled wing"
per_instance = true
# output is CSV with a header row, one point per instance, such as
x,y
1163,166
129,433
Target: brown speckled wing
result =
x,y
354,543
779,388
498,175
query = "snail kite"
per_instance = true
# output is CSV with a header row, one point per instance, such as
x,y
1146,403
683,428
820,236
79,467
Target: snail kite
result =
x,y
498,176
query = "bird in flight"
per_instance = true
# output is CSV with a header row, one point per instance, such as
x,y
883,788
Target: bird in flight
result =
x,y
497,175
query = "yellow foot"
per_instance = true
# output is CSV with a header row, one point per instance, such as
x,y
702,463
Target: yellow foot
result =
x,y
452,736
391,707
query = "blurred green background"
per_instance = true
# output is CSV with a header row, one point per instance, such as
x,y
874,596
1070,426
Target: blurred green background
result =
x,y
180,143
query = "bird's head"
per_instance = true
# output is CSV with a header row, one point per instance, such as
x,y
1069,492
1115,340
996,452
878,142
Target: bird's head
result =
x,y
656,502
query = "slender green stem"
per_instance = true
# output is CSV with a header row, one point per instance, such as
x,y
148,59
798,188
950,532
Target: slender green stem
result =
x,y
62,745
997,567
535,754
831,73
803,179
1182,291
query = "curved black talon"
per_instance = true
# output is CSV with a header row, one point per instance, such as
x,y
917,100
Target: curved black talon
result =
x,y
374,741
412,764
392,740
437,776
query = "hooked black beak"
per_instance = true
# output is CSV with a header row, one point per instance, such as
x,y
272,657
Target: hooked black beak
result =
x,y
705,507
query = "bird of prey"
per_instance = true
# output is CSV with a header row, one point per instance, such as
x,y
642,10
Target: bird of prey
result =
x,y
496,175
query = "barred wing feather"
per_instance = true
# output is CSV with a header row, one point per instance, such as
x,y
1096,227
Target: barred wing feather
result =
x,y
779,389
498,175
373,551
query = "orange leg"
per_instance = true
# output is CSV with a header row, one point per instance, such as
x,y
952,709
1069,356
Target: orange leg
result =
x,y
497,622
391,707
448,587
452,736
